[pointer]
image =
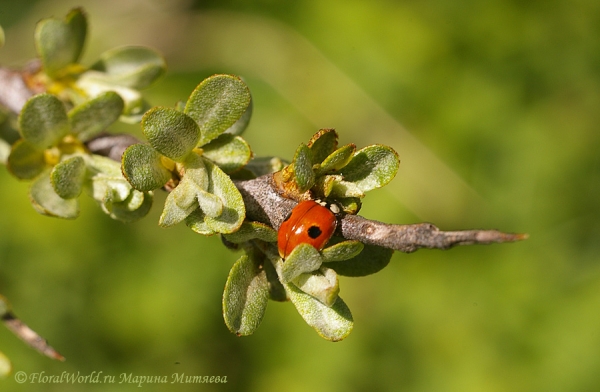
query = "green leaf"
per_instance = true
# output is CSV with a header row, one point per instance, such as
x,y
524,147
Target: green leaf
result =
x,y
304,258
322,285
342,251
95,83
134,207
67,177
170,132
135,67
25,160
234,209
229,152
337,159
142,167
177,207
197,222
59,43
196,171
251,231
43,121
95,115
211,205
245,297
191,193
47,202
372,167
240,125
332,323
322,144
345,189
217,104
372,259
303,171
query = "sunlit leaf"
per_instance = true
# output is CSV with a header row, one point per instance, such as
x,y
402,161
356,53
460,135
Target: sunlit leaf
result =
x,y
67,177
322,144
304,258
25,160
322,285
252,230
45,200
332,323
217,104
372,167
95,115
234,209
338,159
43,122
143,168
240,125
342,251
245,297
170,132
303,171
131,66
229,152
60,43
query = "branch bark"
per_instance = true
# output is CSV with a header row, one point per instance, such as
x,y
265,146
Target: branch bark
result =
x,y
265,204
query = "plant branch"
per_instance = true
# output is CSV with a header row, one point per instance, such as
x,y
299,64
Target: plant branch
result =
x,y
265,204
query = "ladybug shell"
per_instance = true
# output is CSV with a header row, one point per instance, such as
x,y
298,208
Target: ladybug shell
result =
x,y
309,223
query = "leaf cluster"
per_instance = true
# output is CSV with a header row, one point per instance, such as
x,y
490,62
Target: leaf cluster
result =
x,y
308,277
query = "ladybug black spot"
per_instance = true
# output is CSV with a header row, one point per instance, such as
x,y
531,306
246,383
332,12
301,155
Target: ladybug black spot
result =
x,y
314,232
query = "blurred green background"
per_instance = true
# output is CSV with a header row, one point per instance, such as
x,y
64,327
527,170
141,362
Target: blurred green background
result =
x,y
493,108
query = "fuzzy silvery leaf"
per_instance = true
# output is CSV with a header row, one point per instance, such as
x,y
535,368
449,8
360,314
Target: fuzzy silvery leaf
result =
x,y
322,285
43,121
252,230
337,159
245,296
234,209
372,167
59,43
229,152
322,144
45,200
216,104
304,258
135,67
67,177
143,168
94,116
25,160
332,323
303,171
342,251
170,132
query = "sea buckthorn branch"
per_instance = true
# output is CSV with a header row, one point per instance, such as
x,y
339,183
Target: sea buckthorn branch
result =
x,y
264,203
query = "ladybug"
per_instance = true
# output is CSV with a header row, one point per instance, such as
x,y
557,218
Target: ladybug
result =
x,y
308,223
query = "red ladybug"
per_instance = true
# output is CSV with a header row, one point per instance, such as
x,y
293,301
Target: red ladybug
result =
x,y
309,223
